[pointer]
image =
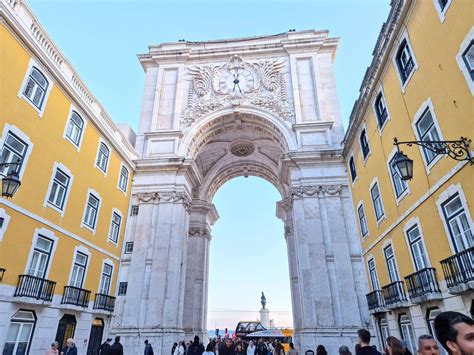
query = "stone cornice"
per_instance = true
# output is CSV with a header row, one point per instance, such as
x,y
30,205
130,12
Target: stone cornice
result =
x,y
168,196
315,191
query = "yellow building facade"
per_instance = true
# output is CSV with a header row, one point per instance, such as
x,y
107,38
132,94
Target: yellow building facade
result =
x,y
61,233
417,235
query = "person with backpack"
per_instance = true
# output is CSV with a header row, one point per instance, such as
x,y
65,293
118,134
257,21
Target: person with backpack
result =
x,y
148,348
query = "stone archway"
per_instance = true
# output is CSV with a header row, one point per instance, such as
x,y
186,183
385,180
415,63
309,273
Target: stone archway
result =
x,y
199,129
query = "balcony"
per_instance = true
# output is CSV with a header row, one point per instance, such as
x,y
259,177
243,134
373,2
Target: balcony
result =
x,y
375,301
104,302
394,295
35,287
76,296
423,286
459,271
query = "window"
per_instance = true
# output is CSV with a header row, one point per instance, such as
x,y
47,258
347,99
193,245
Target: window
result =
x,y
20,333
417,248
458,222
105,279
468,58
4,221
13,150
59,189
74,128
442,4
406,329
128,247
78,270
364,144
40,258
122,288
115,227
380,110
352,169
123,179
391,263
377,201
383,328
362,221
373,275
36,87
103,157
404,60
134,210
399,185
427,132
92,209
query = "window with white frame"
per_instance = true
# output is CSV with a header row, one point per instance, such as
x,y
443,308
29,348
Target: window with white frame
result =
x,y
128,247
103,157
427,131
374,280
4,221
364,144
458,222
377,201
391,263
431,314
399,185
405,61
380,110
352,169
75,128
92,210
20,332
59,189
13,151
362,221
122,291
383,328
123,179
406,329
468,58
115,227
78,270
36,87
105,279
417,247
41,256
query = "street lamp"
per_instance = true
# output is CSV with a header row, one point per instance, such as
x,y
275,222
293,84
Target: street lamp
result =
x,y
457,150
11,182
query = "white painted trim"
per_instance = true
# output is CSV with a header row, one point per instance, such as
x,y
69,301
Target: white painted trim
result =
x,y
122,165
48,234
378,91
101,140
364,128
407,190
83,250
388,242
112,264
361,203
96,195
374,181
117,211
6,220
441,13
396,46
428,104
444,196
412,222
59,229
72,108
462,48
368,259
46,203
19,133
33,63
351,155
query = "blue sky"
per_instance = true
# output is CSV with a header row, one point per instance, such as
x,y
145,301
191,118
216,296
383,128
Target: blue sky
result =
x,y
101,39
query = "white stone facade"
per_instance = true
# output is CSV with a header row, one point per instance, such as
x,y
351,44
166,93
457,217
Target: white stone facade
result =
x,y
212,111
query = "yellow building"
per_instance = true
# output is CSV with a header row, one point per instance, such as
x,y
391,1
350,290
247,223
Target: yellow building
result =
x,y
416,235
61,233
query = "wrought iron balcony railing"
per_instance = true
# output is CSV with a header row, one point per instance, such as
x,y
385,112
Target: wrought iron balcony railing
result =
x,y
375,300
35,287
76,296
422,283
459,268
394,293
104,302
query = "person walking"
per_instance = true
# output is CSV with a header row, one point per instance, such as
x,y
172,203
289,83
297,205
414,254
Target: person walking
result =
x,y
251,348
179,350
196,348
427,345
364,347
209,349
261,348
148,349
104,349
394,347
70,348
321,350
54,349
239,349
116,348
455,331
344,350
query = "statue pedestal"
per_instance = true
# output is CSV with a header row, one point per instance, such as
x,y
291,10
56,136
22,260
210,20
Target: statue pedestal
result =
x,y
265,317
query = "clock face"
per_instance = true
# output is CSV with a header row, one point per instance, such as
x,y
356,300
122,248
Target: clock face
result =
x,y
237,81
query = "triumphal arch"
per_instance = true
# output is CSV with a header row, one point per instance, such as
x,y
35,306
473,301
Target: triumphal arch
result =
x,y
215,110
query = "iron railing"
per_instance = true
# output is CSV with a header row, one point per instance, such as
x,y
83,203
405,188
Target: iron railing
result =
x,y
394,293
104,302
375,300
35,287
76,296
459,268
422,282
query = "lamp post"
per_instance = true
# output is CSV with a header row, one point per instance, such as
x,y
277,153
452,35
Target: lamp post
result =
x,y
457,150
11,182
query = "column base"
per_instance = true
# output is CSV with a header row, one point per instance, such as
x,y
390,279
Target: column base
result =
x,y
161,339
330,338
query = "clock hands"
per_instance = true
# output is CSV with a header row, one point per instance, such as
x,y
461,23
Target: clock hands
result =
x,y
236,81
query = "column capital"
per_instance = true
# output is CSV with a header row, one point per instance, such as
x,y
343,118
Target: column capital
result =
x,y
315,190
199,232
173,196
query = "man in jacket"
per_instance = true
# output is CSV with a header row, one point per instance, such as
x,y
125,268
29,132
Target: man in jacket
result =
x,y
104,349
364,347
116,348
261,348
70,348
148,348
196,348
